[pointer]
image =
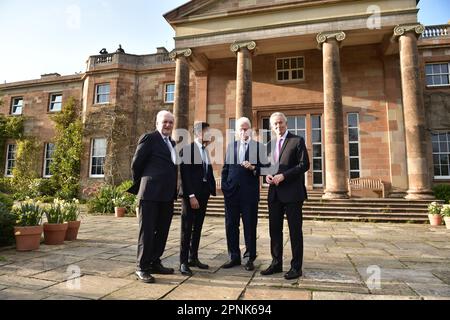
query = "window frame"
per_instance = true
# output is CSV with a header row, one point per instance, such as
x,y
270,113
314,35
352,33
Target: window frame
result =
x,y
290,80
54,102
97,94
439,153
354,142
13,99
45,167
7,160
166,92
91,157
440,74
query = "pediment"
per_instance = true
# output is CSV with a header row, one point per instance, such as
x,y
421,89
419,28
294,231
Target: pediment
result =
x,y
212,8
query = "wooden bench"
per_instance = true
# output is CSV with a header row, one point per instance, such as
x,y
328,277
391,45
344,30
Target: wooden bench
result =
x,y
366,183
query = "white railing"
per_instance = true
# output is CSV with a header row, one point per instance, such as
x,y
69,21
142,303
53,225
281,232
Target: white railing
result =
x,y
437,31
104,58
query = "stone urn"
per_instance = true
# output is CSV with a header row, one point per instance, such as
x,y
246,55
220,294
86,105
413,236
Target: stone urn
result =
x,y
28,238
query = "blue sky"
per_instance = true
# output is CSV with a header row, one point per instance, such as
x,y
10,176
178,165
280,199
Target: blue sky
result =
x,y
48,36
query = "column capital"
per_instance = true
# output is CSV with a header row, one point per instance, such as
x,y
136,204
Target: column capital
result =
x,y
401,29
236,46
180,52
323,37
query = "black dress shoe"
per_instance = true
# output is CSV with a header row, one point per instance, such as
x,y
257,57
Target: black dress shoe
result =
x,y
158,268
293,274
231,264
144,277
198,264
272,269
249,266
185,270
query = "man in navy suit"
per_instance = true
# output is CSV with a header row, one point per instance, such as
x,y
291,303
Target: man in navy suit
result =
x,y
198,184
154,172
240,186
287,192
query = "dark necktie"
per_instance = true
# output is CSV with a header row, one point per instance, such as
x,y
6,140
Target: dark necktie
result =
x,y
205,165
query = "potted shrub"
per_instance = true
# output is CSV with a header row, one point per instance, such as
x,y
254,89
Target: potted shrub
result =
x,y
434,213
28,227
55,228
445,212
71,211
119,206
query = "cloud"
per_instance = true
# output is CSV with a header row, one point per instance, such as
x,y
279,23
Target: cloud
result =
x,y
73,13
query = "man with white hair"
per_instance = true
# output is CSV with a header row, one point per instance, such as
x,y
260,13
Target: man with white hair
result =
x,y
240,186
154,172
287,192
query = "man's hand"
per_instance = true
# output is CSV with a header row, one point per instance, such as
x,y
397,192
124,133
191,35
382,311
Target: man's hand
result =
x,y
247,165
278,179
269,179
194,203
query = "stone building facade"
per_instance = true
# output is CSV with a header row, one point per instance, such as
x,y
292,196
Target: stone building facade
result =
x,y
363,81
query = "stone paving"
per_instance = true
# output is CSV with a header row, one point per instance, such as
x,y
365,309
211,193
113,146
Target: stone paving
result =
x,y
343,260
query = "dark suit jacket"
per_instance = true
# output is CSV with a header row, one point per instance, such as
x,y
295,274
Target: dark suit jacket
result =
x,y
154,173
191,170
293,164
238,180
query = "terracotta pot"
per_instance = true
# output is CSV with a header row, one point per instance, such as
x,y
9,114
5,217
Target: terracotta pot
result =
x,y
72,230
28,238
55,233
120,212
435,219
447,222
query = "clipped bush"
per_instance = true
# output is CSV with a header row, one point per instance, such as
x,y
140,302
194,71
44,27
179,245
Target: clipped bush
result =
x,y
7,222
109,197
442,192
5,185
6,200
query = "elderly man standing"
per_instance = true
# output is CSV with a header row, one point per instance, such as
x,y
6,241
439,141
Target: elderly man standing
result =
x,y
240,186
287,192
154,172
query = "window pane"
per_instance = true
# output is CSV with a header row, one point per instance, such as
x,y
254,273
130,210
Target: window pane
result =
x,y
316,136
354,164
317,178
436,80
437,170
301,62
434,137
280,75
317,164
285,63
300,74
436,159
444,79
301,122
353,134
428,69
352,120
444,159
444,170
429,80
444,68
443,147
354,152
317,151
316,122
294,75
279,64
294,63
354,174
435,147
286,75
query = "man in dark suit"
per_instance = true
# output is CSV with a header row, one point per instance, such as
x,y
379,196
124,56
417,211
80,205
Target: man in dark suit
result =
x,y
240,186
287,193
198,184
154,172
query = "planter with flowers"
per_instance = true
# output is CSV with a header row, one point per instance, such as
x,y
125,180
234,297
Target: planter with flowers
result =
x,y
55,229
445,212
71,211
120,203
434,213
28,229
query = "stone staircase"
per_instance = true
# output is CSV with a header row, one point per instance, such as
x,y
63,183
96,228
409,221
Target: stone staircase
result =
x,y
356,209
